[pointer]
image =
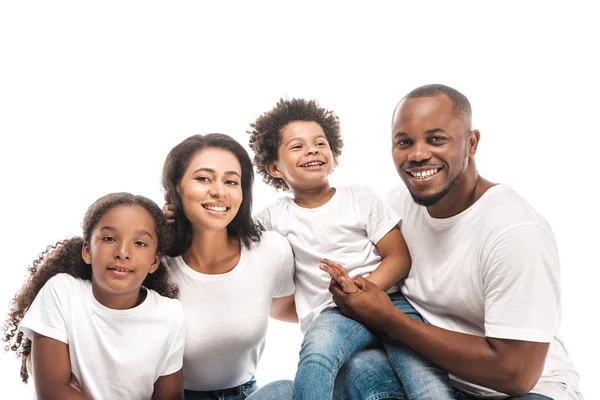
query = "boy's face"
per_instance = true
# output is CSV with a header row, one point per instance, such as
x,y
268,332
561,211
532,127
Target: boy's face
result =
x,y
304,159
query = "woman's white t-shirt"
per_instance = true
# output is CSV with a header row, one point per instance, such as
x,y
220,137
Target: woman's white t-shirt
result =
x,y
226,314
114,354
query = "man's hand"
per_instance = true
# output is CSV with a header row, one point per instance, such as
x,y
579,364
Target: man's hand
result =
x,y
370,305
168,210
339,274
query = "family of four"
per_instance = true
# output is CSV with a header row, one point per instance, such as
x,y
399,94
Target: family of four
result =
x,y
447,289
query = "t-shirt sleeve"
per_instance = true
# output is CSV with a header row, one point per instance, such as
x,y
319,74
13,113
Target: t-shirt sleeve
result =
x,y
175,355
378,217
46,315
286,270
264,219
521,285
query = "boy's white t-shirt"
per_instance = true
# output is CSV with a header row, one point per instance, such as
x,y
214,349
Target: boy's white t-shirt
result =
x,y
492,270
114,354
344,230
227,314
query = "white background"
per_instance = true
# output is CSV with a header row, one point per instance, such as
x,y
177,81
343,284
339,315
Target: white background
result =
x,y
94,95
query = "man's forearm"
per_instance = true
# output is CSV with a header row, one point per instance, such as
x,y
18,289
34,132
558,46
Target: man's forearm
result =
x,y
469,357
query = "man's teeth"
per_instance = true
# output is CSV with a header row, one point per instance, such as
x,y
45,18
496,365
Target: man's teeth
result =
x,y
313,164
423,174
216,208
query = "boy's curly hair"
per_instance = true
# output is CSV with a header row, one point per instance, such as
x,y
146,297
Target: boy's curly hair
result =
x,y
265,135
65,257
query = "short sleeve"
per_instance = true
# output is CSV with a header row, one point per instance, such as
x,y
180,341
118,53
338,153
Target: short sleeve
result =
x,y
378,217
286,270
521,285
46,315
175,355
264,219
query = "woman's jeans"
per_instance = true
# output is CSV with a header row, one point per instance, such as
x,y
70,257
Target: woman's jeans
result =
x,y
332,338
235,393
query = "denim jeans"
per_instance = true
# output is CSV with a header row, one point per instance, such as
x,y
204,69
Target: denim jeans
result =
x,y
235,393
277,390
368,375
332,338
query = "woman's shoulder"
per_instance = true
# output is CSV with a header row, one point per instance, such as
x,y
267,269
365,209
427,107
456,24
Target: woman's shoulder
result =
x,y
270,241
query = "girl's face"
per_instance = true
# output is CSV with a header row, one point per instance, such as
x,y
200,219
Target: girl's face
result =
x,y
211,189
122,251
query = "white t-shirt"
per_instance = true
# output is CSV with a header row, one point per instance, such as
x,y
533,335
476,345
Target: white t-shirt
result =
x,y
114,354
344,230
226,314
492,270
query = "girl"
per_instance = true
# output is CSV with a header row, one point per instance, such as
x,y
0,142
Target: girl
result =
x,y
230,275
95,321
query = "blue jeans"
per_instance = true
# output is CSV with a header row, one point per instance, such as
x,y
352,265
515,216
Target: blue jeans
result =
x,y
368,375
235,393
332,338
277,390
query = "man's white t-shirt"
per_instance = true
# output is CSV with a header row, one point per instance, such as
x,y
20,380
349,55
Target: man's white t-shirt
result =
x,y
226,314
344,230
114,354
492,270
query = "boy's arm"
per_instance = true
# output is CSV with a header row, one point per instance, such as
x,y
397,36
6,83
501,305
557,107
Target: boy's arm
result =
x,y
169,387
395,260
52,369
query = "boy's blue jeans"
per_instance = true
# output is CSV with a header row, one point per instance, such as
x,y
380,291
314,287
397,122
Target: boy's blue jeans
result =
x,y
332,338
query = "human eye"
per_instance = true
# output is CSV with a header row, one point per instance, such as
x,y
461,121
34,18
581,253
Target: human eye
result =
x,y
231,182
107,239
437,140
403,142
296,147
139,243
202,179
322,144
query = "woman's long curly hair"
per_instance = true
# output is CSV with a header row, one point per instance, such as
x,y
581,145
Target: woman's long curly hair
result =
x,y
65,257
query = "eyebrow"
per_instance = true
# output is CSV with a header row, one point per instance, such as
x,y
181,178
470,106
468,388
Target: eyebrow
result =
x,y
427,132
139,231
212,171
316,137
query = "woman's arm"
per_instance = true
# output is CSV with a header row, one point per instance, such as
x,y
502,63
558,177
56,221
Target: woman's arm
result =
x,y
169,387
52,370
284,309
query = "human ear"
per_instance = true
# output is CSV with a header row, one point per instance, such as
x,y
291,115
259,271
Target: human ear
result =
x,y
85,253
472,142
155,263
274,171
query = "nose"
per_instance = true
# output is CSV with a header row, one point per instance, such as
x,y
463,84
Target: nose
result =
x,y
122,252
217,189
312,150
419,152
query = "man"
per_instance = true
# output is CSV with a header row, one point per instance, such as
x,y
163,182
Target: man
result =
x,y
485,268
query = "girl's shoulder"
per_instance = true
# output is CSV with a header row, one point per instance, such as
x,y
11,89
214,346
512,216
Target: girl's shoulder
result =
x,y
67,284
170,309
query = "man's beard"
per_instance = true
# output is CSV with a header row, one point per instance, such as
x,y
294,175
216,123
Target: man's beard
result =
x,y
434,198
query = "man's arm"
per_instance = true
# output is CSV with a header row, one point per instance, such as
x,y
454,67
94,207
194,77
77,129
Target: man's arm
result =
x,y
52,370
508,366
169,387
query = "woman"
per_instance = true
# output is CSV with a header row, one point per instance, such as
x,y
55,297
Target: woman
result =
x,y
231,275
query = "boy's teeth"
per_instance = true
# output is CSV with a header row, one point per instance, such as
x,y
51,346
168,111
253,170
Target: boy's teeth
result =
x,y
313,164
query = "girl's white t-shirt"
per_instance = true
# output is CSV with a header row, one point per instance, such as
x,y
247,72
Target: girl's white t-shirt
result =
x,y
227,314
114,354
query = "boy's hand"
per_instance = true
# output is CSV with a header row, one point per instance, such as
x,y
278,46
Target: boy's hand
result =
x,y
339,275
168,210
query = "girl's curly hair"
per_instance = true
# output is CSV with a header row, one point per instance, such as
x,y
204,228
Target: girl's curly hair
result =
x,y
265,135
65,257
